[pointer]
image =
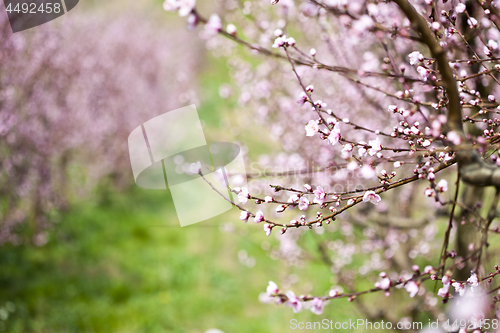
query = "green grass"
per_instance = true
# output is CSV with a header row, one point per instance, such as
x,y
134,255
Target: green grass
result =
x,y
123,264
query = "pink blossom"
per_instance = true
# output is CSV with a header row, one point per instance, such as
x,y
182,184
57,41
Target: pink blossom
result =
x,y
170,5
472,22
460,8
312,127
428,269
303,203
424,73
392,108
454,138
371,196
412,288
347,148
293,301
279,42
195,168
293,200
473,281
361,149
442,185
459,288
192,21
487,51
365,23
415,57
367,172
384,284
443,292
268,228
259,217
231,29
334,136
375,146
435,128
272,288
280,208
283,41
320,104
183,6
317,306
302,98
214,25
333,293
244,216
331,121
319,195
268,199
243,196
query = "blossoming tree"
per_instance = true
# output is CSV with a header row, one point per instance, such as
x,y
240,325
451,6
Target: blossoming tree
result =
x,y
67,107
386,116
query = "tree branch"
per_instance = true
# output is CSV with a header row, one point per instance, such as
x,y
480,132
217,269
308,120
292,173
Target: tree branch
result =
x,y
473,169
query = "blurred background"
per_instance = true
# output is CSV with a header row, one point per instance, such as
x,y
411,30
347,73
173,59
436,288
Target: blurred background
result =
x,y
83,249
